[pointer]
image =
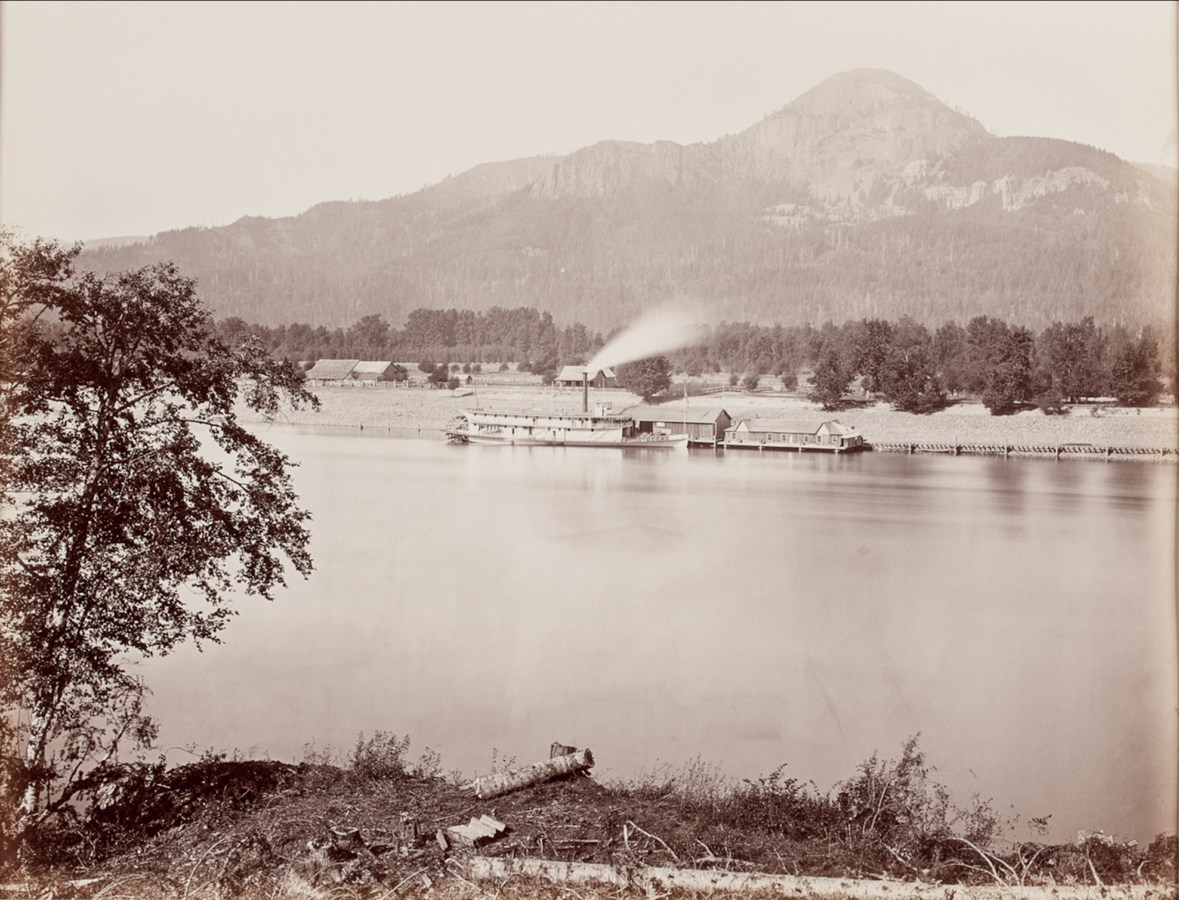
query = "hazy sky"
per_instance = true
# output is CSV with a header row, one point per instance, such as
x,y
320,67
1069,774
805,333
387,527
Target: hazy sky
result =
x,y
131,118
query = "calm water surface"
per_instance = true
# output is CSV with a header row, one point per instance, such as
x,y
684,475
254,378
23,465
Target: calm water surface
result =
x,y
748,609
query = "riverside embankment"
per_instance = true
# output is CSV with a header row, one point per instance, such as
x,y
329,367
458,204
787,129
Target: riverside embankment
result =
x,y
424,411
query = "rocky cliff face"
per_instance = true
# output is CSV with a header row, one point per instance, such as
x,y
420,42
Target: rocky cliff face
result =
x,y
862,146
840,142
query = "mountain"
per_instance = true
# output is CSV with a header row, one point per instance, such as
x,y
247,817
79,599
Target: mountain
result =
x,y
865,197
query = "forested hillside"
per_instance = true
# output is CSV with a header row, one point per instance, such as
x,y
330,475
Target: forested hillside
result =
x,y
865,198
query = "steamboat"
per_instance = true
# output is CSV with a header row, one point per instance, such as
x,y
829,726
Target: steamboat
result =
x,y
599,428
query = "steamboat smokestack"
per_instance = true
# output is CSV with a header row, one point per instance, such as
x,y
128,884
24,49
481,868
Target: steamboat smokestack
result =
x,y
585,390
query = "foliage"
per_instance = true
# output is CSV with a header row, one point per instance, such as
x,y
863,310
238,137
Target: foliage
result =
x,y
1000,360
1050,402
784,806
645,377
698,783
901,361
905,371
1071,356
242,828
831,378
870,346
380,757
141,507
1135,372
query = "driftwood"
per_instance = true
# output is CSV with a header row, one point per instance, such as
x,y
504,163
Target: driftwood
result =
x,y
556,767
477,831
482,868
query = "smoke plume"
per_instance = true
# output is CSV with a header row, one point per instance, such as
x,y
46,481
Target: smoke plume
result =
x,y
659,331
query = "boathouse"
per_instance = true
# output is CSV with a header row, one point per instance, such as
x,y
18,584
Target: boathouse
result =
x,y
776,434
702,426
574,376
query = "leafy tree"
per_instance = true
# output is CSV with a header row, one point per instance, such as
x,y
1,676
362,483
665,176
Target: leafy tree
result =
x,y
645,377
999,360
871,346
138,506
1134,376
949,355
369,338
1071,359
906,376
751,381
1009,374
831,378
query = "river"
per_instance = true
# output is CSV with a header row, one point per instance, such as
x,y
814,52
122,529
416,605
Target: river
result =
x,y
741,609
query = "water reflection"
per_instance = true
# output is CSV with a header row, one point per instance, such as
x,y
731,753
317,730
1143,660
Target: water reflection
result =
x,y
753,609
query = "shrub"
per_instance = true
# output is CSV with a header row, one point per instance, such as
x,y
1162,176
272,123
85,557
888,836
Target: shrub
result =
x,y
782,805
1161,858
1051,403
381,757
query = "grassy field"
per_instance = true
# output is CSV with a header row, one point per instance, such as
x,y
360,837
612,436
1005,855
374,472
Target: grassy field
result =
x,y
422,410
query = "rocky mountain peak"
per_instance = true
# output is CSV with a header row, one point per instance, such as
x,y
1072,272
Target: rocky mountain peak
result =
x,y
850,131
862,92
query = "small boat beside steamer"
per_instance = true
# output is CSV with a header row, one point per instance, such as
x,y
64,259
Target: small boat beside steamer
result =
x,y
600,428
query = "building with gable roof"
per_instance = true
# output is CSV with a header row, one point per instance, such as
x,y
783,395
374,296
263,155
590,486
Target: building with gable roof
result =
x,y
776,434
574,376
704,427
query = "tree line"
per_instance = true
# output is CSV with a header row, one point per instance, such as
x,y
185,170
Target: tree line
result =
x,y
911,366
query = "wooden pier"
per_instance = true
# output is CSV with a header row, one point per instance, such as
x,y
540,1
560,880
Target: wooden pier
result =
x,y
1050,451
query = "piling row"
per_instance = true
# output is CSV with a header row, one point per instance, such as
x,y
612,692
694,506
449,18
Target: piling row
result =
x,y
1082,451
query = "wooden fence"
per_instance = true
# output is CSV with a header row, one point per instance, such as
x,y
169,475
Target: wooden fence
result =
x,y
1054,451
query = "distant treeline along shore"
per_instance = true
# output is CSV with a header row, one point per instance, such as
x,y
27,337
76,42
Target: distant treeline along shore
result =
x,y
903,362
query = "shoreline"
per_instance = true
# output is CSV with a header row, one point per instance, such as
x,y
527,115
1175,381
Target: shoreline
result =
x,y
426,412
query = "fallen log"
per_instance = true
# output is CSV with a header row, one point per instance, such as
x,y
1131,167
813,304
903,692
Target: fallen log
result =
x,y
558,766
663,879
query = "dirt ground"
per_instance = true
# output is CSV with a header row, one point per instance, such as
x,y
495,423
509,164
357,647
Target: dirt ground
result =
x,y
254,829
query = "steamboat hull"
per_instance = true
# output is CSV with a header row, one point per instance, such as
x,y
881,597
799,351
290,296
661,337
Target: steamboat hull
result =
x,y
678,442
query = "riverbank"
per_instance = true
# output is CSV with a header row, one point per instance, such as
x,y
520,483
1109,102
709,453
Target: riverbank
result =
x,y
425,411
374,828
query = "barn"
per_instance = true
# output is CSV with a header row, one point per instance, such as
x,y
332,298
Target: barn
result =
x,y
375,370
333,371
574,376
